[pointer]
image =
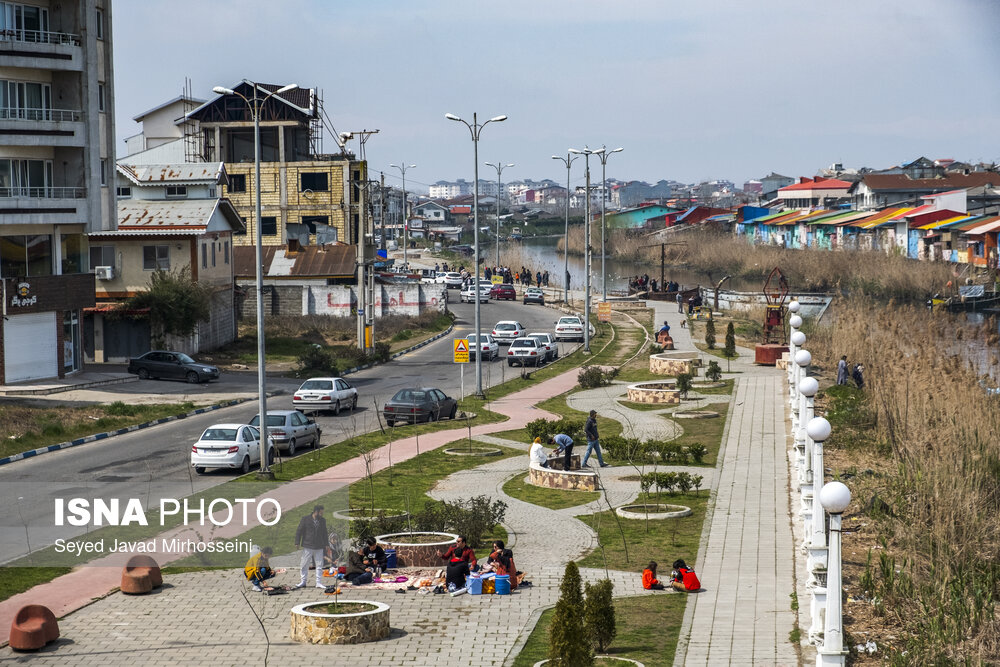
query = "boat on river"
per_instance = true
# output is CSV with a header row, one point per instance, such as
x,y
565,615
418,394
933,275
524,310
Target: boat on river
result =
x,y
970,299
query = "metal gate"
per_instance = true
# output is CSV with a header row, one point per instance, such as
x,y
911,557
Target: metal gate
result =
x,y
125,338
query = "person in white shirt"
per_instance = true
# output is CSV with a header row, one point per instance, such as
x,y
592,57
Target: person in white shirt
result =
x,y
538,454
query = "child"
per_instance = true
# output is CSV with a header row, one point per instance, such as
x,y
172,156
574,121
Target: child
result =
x,y
649,580
683,578
258,569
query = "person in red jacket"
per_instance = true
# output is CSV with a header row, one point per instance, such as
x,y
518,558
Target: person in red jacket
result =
x,y
649,580
461,560
683,577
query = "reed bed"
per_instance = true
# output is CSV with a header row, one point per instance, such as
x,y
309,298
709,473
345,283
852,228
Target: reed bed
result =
x,y
926,435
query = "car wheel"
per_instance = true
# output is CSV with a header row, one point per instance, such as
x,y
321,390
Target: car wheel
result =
x,y
431,417
192,377
454,411
291,447
245,468
525,302
389,422
336,408
315,442
200,470
270,457
144,375
510,362
354,403
541,303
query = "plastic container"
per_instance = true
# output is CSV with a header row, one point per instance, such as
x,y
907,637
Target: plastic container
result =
x,y
503,584
342,570
488,587
390,559
475,584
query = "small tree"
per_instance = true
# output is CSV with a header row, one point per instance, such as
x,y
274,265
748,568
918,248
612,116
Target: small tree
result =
x,y
730,350
684,384
176,303
568,646
599,614
710,333
713,372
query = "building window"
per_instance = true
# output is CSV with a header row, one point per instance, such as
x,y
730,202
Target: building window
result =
x,y
22,255
100,97
243,230
177,191
123,192
315,181
204,255
104,172
25,100
213,254
312,220
237,183
101,255
268,225
25,178
211,191
225,252
155,258
100,24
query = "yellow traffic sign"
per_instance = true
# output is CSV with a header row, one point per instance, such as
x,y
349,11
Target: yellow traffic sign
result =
x,y
496,280
604,311
461,351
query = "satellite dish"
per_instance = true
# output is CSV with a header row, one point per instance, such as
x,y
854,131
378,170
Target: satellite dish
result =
x,y
307,193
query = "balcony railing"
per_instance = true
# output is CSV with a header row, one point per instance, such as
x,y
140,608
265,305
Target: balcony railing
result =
x,y
44,193
57,115
39,37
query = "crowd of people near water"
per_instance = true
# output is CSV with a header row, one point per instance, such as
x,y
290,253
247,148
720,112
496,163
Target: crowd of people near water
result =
x,y
644,283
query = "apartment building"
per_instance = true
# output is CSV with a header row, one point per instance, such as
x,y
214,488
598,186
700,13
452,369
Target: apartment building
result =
x,y
56,177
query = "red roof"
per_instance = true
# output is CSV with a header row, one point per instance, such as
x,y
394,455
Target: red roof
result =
x,y
817,184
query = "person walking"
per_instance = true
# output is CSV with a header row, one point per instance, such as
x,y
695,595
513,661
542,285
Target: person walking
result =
x,y
859,375
842,370
563,443
311,536
680,303
593,443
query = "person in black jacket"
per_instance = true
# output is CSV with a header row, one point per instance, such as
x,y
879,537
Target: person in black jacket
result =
x,y
373,555
311,535
593,443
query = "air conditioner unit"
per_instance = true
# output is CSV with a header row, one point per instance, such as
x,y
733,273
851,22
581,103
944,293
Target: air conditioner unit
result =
x,y
105,272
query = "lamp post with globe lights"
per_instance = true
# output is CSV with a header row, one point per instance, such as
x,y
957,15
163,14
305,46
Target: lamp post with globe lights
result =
x,y
802,359
793,309
499,167
604,155
808,387
586,153
835,497
798,340
406,223
475,129
568,160
818,430
256,105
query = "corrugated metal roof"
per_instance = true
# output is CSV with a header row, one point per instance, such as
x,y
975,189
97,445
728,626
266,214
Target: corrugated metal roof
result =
x,y
173,214
991,224
884,215
882,182
852,217
191,172
331,261
818,184
946,221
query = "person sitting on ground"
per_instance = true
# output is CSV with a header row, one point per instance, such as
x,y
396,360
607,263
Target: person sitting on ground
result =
x,y
538,454
333,554
563,443
373,555
649,580
357,572
258,569
683,578
461,560
501,561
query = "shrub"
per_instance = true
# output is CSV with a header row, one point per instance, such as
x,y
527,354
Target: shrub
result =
x,y
697,451
592,376
684,383
730,350
317,360
472,517
710,333
599,614
672,452
626,449
714,371
380,524
684,481
655,348
568,645
405,334
696,481
665,481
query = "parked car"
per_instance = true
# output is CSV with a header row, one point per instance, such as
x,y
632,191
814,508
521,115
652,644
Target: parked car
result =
x,y
290,429
489,347
547,341
453,280
503,291
506,331
469,293
164,364
534,295
326,394
233,446
526,351
569,328
425,404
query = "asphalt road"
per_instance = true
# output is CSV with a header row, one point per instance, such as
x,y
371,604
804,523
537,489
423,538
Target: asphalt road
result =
x,y
154,463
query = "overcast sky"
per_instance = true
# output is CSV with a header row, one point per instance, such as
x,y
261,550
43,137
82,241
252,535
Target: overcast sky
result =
x,y
691,90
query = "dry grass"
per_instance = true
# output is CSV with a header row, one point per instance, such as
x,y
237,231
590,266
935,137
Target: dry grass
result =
x,y
924,436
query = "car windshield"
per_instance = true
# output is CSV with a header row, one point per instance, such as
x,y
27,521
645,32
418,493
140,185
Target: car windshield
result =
x,y
524,342
569,320
317,384
534,290
184,359
220,434
409,396
472,338
504,326
272,420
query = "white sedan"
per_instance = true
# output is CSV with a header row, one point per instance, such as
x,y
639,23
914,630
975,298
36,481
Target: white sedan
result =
x,y
490,348
334,394
469,292
233,446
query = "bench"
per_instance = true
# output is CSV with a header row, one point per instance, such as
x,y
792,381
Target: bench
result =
x,y
663,338
33,627
553,478
141,575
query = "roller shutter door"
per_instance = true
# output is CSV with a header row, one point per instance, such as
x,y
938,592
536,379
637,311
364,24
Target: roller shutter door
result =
x,y
29,345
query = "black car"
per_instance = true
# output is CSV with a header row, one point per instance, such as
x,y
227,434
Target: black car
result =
x,y
425,404
163,364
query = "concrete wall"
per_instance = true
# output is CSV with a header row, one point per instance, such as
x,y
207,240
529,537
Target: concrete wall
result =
x,y
339,300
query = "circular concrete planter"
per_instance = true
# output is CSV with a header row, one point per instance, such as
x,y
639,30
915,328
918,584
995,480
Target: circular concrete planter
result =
x,y
695,414
674,363
473,451
417,554
607,659
353,514
657,511
315,627
658,393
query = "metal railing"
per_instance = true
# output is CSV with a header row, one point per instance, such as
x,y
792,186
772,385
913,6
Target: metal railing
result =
x,y
39,37
58,115
44,193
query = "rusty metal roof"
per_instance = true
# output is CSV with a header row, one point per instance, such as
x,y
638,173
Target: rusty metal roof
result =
x,y
332,261
174,214
189,172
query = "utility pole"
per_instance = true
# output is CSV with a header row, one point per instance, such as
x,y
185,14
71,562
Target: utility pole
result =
x,y
384,208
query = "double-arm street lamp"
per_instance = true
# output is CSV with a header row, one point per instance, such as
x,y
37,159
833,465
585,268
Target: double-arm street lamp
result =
x,y
604,155
475,129
402,169
256,106
568,160
499,167
586,153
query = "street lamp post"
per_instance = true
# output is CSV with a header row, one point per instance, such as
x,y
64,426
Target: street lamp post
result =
x,y
402,169
586,153
499,167
475,129
256,105
604,154
568,160
835,497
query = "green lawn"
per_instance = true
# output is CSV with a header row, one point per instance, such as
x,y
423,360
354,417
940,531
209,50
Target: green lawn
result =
x,y
554,499
14,580
648,630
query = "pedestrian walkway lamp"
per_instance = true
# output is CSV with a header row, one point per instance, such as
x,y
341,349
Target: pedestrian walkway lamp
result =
x,y
402,169
795,323
475,129
808,388
802,359
499,167
568,160
586,153
818,430
798,340
256,106
604,155
835,497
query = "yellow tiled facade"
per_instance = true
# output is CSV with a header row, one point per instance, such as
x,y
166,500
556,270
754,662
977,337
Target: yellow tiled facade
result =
x,y
284,198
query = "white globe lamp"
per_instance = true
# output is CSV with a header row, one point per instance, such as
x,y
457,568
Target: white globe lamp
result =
x,y
798,338
808,387
793,307
795,321
803,358
818,429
